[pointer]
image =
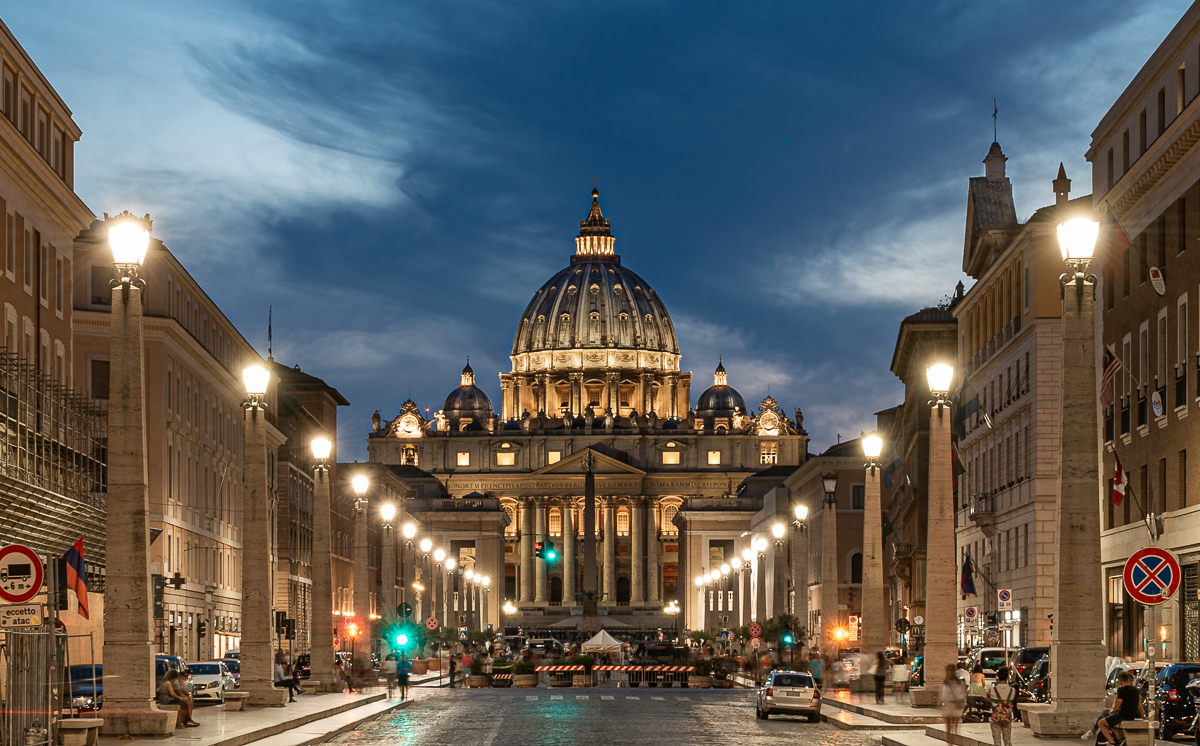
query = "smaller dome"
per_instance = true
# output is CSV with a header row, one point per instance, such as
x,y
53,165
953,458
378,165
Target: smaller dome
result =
x,y
468,400
721,398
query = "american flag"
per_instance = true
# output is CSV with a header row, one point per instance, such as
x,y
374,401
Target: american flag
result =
x,y
1111,365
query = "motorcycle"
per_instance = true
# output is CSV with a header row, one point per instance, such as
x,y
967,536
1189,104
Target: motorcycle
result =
x,y
1193,690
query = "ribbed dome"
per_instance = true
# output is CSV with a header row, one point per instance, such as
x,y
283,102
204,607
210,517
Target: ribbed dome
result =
x,y
467,400
595,302
721,399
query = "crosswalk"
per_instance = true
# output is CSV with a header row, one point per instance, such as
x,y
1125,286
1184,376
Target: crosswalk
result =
x,y
537,697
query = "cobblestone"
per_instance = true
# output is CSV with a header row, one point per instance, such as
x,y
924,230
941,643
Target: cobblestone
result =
x,y
504,717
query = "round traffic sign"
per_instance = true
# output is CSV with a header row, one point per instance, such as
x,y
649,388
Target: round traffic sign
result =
x,y
404,611
756,630
755,642
1151,575
972,612
1005,595
20,573
431,622
918,619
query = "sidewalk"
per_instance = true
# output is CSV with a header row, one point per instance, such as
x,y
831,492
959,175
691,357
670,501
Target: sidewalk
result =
x,y
313,718
890,712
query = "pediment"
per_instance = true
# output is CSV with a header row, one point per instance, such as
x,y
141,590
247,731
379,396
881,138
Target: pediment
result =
x,y
574,464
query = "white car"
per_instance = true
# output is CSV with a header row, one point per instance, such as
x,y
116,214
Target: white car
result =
x,y
210,681
789,693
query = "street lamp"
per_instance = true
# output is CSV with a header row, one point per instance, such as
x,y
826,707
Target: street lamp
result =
x,y
436,599
322,660
483,603
830,597
801,517
800,567
129,629
874,627
939,376
409,531
360,572
1077,643
448,588
387,580
258,572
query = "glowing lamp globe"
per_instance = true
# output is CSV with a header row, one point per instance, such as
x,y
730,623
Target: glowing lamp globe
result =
x,y
129,238
321,448
801,512
872,446
256,379
1077,239
388,512
940,375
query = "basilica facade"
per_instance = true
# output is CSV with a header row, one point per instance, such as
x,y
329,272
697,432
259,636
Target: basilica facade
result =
x,y
596,380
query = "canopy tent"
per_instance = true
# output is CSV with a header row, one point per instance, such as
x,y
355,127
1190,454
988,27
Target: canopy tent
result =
x,y
576,622
602,643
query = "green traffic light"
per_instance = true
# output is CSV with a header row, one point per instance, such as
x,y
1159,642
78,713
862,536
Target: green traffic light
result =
x,y
401,639
551,555
787,639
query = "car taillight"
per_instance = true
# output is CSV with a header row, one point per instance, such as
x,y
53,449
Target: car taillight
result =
x,y
817,693
769,691
1172,695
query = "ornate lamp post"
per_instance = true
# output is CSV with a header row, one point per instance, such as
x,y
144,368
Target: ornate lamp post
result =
x,y
736,564
258,572
128,623
425,599
940,648
406,564
829,569
1077,644
438,599
448,585
760,574
362,588
486,583
724,602
673,609
469,597
800,570
747,579
874,615
387,582
322,654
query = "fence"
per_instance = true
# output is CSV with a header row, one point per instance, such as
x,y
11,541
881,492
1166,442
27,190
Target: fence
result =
x,y
32,695
629,675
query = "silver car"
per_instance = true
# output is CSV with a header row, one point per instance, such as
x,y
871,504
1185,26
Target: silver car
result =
x,y
212,679
789,693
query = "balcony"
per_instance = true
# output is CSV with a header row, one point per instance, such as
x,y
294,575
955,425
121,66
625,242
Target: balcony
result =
x,y
981,509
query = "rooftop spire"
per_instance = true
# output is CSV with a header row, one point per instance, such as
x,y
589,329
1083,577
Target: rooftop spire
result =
x,y
719,377
995,163
595,231
1062,186
468,375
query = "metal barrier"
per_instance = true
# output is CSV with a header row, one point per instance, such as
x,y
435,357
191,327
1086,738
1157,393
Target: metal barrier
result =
x,y
549,675
664,676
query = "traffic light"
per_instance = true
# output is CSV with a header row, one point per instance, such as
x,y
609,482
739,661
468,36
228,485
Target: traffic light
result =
x,y
539,550
202,630
1051,618
401,639
550,553
788,638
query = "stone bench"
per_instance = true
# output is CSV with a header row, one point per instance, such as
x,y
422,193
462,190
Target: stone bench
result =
x,y
310,686
79,731
235,701
1137,733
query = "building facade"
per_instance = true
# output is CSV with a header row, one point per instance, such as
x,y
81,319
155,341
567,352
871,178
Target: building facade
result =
x,y
595,379
1144,173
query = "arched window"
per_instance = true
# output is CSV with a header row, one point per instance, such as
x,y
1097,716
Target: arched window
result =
x,y
539,332
564,330
623,522
555,522
511,528
623,338
856,561
594,327
668,526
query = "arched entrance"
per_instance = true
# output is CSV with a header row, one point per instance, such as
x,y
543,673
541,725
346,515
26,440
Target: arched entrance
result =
x,y
622,589
556,590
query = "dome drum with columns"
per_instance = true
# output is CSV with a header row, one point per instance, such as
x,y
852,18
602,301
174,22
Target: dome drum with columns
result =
x,y
595,377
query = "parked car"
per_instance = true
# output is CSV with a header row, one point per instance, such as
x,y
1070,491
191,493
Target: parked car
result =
x,y
992,659
544,646
235,668
1034,684
304,665
1024,659
87,687
211,679
1173,705
164,663
789,693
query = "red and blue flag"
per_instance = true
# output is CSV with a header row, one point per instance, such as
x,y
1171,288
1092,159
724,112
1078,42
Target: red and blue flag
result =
x,y
77,576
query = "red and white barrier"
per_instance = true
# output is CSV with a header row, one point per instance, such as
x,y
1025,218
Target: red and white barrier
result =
x,y
560,668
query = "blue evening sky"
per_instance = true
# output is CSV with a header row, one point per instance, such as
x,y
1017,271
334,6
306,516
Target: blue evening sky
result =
x,y
398,178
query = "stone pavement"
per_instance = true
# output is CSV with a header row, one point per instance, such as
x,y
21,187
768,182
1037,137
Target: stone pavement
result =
x,y
894,710
311,719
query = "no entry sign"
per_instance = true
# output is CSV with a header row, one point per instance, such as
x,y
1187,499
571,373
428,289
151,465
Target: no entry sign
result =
x,y
20,573
1152,575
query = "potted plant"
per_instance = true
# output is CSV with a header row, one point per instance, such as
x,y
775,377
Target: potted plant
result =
x,y
420,666
477,679
583,679
720,675
701,678
525,674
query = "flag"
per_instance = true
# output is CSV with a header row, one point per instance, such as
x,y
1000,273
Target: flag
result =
x,y
1112,364
1120,481
77,576
887,525
968,582
955,461
891,469
964,408
1113,240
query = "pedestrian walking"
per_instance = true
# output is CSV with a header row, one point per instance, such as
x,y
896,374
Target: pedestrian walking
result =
x,y
453,662
953,697
1002,697
816,666
879,670
389,672
899,677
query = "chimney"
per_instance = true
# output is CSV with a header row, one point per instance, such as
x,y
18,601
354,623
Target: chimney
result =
x,y
995,163
1062,187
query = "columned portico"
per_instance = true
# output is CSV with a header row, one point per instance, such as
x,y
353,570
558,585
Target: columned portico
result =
x,y
652,570
539,594
525,594
609,552
636,537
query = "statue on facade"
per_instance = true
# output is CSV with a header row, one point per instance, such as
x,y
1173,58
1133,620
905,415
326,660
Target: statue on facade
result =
x,y
800,422
651,419
608,419
376,421
525,420
739,419
589,416
691,419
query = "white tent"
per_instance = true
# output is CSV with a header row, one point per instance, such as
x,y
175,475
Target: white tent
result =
x,y
602,643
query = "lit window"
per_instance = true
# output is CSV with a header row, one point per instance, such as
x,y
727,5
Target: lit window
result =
x,y
553,457
714,457
464,458
556,522
769,454
670,457
505,459
623,522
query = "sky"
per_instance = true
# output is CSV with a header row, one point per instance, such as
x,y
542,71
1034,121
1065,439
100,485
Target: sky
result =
x,y
396,180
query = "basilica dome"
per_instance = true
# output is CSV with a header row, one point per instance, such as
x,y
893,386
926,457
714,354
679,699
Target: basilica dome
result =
x,y
721,399
468,400
595,303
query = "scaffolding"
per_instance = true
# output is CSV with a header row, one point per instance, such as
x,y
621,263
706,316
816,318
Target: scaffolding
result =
x,y
51,437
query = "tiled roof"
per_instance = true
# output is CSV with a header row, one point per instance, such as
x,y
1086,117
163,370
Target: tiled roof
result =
x,y
993,203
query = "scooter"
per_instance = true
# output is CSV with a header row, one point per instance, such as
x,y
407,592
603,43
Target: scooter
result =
x,y
1193,690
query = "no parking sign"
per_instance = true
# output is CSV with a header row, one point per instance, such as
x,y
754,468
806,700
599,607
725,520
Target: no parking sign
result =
x,y
1152,575
1004,599
972,613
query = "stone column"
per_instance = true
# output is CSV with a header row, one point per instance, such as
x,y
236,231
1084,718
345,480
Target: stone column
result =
x,y
387,580
569,564
322,584
673,385
830,598
941,571
128,626
652,596
760,587
525,594
577,403
1078,642
874,610
614,393
800,579
610,554
258,624
539,593
361,595
637,535
647,393
744,582
506,400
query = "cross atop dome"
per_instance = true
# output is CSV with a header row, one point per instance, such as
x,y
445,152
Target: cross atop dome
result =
x,y
595,232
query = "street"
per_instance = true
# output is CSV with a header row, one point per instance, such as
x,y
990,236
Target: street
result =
x,y
495,717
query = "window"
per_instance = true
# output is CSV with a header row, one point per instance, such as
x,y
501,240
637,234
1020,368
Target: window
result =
x,y
856,567
1180,86
1162,110
10,245
506,459
1111,173
858,496
623,521
1026,288
555,522
1181,226
1160,376
58,285
43,266
769,453
464,458
668,525
99,376
1125,152
1125,273
1142,132
670,457
553,457
7,101
27,270
714,458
